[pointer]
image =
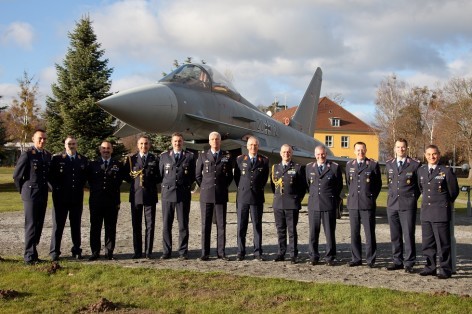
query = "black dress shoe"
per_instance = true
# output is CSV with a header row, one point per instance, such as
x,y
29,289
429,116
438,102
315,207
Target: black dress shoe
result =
x,y
110,257
314,262
183,257
330,263
165,256
77,256
394,267
94,257
293,260
136,256
240,258
55,258
223,257
204,258
259,258
371,265
30,263
279,258
443,274
148,256
428,272
409,269
354,264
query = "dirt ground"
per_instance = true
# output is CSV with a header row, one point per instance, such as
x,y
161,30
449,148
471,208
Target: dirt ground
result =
x,y
12,242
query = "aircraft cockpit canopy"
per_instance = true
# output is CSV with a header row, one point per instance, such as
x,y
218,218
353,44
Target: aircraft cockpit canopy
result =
x,y
202,77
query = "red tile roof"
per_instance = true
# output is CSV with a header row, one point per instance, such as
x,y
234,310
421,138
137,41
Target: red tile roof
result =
x,y
329,109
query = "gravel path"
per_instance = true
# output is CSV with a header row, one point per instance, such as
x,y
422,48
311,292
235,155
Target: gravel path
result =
x,y
12,241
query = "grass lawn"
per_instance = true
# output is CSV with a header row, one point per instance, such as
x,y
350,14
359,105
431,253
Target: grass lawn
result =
x,y
76,286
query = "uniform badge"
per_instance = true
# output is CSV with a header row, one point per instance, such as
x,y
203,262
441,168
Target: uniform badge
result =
x,y
408,181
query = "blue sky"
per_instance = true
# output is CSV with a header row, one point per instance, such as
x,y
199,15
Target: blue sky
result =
x,y
269,48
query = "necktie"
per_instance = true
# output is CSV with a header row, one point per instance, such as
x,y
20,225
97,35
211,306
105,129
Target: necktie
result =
x,y
431,171
285,166
106,164
177,156
253,161
143,159
72,158
215,156
400,164
360,164
320,169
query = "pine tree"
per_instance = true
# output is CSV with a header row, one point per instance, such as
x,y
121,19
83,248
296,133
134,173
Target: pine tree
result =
x,y
83,79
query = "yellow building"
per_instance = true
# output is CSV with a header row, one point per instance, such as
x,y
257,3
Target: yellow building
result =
x,y
339,129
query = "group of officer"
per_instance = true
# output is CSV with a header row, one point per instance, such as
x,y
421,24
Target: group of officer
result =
x,y
214,170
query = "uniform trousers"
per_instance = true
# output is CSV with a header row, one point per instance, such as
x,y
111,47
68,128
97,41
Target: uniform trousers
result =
x,y
207,210
436,238
287,220
402,234
59,217
168,213
328,219
103,213
367,219
137,212
35,211
243,220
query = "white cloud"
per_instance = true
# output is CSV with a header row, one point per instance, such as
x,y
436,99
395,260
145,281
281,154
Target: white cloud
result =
x,y
17,34
272,48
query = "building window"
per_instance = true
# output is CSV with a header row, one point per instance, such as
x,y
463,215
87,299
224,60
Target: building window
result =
x,y
329,141
345,141
336,122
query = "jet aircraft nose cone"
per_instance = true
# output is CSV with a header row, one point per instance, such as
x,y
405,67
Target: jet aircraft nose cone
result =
x,y
151,108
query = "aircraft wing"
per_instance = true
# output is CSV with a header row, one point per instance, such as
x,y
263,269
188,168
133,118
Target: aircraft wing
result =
x,y
127,130
216,122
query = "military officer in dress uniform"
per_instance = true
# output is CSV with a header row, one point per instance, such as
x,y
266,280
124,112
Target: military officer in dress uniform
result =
x,y
31,178
325,183
177,170
142,172
403,193
439,187
214,174
250,175
105,176
289,187
364,184
68,177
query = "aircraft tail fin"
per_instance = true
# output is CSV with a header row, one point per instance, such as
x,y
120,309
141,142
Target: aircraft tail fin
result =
x,y
304,119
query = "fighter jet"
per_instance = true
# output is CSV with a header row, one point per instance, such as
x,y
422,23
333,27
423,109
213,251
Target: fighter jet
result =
x,y
195,100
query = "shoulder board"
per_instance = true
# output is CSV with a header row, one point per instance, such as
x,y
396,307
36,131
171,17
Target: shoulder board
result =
x,y
373,160
334,163
57,154
310,164
265,157
390,160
